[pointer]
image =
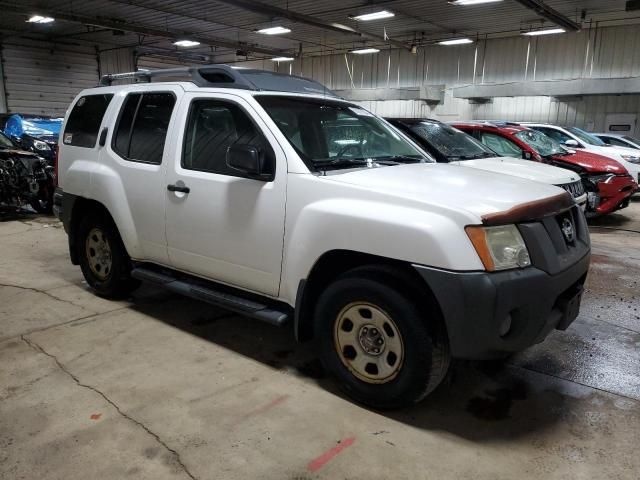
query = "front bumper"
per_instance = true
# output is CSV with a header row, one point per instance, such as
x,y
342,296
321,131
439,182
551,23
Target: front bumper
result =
x,y
478,305
614,194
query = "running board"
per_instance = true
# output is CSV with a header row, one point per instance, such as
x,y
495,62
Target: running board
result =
x,y
208,293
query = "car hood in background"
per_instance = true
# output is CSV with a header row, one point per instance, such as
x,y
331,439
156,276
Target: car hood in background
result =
x,y
528,169
592,162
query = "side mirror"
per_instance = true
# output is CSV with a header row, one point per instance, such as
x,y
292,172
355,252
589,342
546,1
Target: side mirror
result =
x,y
571,143
251,162
526,155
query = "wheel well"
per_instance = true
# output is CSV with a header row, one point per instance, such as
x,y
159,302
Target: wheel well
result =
x,y
337,262
82,207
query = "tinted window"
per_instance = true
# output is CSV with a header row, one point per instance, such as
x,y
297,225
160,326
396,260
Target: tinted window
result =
x,y
614,141
501,145
142,126
85,119
213,126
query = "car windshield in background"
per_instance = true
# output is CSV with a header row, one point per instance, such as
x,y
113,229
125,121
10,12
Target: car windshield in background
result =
x,y
451,142
586,137
335,135
544,145
632,139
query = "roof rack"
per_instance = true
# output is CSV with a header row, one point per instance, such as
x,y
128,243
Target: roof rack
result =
x,y
225,76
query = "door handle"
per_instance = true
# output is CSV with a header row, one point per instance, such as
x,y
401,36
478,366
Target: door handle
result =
x,y
178,188
103,137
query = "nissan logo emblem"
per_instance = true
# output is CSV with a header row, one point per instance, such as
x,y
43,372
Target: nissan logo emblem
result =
x,y
567,230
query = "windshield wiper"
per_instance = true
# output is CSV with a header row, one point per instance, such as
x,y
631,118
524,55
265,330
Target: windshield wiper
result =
x,y
398,159
338,162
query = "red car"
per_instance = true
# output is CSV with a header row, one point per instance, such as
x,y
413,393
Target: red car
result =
x,y
608,184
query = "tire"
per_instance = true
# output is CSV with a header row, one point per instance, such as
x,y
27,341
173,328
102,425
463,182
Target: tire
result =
x,y
94,232
421,355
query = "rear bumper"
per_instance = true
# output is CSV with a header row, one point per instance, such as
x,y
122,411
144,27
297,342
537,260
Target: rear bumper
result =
x,y
478,306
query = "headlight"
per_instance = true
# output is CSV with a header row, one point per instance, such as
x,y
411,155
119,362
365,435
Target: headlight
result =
x,y
595,179
40,145
499,248
631,158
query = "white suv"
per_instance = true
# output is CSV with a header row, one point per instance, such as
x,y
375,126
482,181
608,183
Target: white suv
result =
x,y
294,206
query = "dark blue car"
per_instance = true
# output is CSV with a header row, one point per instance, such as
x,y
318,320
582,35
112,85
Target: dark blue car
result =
x,y
35,133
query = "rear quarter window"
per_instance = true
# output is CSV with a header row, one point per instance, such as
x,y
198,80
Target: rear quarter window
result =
x,y
84,121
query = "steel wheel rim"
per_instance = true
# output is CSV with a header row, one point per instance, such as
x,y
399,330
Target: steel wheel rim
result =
x,y
368,342
98,251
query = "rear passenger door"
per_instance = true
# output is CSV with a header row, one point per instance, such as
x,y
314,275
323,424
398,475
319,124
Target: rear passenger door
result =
x,y
135,152
228,227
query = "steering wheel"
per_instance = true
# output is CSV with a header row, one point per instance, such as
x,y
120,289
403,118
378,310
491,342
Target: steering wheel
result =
x,y
351,146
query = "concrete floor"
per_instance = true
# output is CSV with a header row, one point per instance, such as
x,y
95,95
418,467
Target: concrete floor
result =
x,y
165,387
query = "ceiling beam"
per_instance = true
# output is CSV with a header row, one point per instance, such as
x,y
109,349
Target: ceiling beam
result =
x,y
551,14
143,30
259,7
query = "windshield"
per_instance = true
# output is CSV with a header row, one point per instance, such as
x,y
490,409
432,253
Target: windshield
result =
x,y
586,137
451,142
329,134
5,142
632,139
541,143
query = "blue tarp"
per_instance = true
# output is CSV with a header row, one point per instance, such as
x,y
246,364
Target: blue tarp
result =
x,y
17,126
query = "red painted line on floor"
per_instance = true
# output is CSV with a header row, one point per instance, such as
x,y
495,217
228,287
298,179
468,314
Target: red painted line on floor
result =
x,y
264,408
317,463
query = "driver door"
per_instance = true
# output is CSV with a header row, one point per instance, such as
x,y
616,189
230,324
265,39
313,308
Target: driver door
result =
x,y
220,224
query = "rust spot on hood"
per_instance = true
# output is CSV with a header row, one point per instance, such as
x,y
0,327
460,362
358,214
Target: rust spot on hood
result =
x,y
529,211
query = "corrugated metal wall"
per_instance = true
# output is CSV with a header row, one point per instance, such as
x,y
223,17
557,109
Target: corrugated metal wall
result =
x,y
43,79
597,53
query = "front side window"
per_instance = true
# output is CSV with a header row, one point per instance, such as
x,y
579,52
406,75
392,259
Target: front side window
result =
x,y
334,135
141,131
501,145
586,137
541,143
451,142
212,127
615,142
85,119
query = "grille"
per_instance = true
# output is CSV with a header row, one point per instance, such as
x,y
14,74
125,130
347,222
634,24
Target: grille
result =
x,y
576,189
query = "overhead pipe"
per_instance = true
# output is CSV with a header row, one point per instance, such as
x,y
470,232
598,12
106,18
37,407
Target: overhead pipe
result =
x,y
551,14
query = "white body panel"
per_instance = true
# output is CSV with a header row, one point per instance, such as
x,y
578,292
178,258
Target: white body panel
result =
x,y
528,169
265,237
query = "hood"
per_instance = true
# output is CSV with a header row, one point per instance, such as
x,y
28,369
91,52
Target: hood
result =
x,y
450,187
16,153
592,162
528,169
613,152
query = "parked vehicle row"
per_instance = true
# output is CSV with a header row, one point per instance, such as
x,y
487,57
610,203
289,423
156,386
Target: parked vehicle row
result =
x,y
34,133
607,182
272,197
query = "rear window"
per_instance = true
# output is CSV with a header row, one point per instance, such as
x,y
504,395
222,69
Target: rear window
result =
x,y
85,119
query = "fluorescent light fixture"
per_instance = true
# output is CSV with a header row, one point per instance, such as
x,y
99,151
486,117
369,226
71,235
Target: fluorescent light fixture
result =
x,y
471,2
186,43
273,30
365,17
546,31
363,51
456,41
282,59
40,19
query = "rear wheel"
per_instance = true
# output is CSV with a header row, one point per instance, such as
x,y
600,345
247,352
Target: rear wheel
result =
x,y
385,349
103,258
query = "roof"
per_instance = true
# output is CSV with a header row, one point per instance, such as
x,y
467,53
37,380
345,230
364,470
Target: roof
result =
x,y
225,76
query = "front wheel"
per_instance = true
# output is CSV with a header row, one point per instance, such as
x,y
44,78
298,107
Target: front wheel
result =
x,y
105,264
385,349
